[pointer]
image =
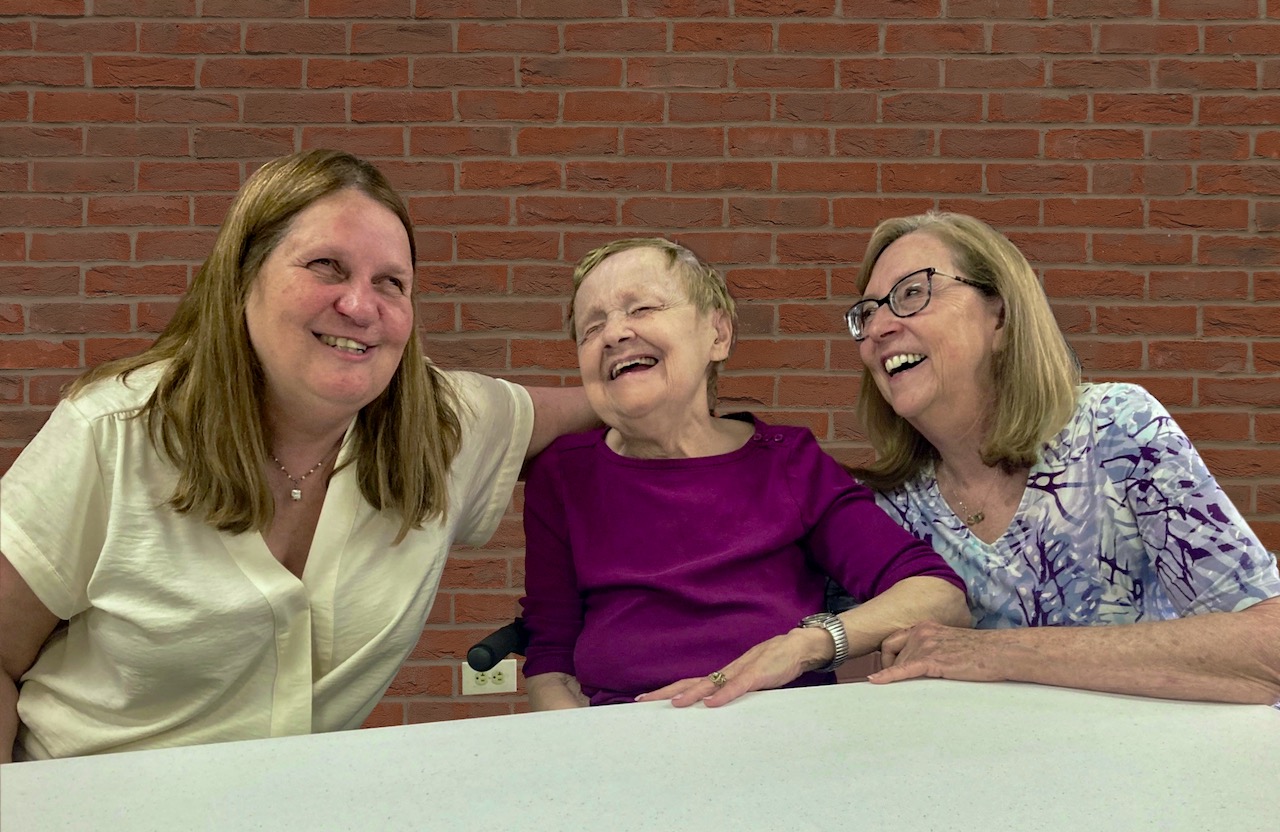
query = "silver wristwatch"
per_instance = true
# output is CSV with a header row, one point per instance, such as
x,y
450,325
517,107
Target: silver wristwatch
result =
x,y
835,627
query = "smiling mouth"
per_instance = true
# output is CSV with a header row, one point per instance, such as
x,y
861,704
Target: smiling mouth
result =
x,y
630,365
900,363
344,344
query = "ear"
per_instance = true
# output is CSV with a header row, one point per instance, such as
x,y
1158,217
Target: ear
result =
x,y
1000,333
724,335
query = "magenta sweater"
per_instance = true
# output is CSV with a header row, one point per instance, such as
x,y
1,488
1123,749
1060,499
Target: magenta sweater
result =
x,y
641,572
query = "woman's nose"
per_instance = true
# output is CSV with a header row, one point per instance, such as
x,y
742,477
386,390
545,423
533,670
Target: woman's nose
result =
x,y
881,322
617,328
358,302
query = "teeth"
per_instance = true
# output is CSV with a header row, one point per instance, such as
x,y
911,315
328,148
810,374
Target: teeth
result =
x,y
630,362
894,362
344,344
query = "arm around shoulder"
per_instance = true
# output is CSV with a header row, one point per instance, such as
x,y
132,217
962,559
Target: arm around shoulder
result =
x,y
557,411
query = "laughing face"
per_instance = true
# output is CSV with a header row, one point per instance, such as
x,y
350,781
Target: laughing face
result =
x,y
331,310
933,368
643,348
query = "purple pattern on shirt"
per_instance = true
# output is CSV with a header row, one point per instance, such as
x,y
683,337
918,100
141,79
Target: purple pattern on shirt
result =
x,y
641,572
1121,521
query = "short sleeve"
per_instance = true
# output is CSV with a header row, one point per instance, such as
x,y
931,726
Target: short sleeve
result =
x,y
54,505
497,423
1206,556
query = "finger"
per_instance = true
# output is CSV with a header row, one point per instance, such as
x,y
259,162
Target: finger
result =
x,y
669,691
897,673
892,646
695,693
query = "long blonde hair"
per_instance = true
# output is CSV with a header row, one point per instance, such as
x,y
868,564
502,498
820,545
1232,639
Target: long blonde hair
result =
x,y
204,414
1035,373
703,284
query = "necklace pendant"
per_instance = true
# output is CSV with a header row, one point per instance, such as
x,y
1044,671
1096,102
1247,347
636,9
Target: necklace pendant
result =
x,y
971,520
296,494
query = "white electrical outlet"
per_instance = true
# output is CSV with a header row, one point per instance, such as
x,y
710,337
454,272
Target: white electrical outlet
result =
x,y
500,679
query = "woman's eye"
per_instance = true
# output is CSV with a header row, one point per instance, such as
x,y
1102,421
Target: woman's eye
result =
x,y
642,310
589,333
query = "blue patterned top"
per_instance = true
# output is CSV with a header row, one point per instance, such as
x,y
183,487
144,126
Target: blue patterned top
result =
x,y
1120,521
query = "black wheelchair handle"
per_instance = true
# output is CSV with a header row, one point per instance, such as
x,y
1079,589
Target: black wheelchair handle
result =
x,y
496,646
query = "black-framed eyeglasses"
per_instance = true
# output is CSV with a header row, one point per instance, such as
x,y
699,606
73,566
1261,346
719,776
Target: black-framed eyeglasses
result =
x,y
907,297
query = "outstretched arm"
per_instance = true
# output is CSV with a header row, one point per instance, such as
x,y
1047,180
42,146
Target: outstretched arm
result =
x,y
557,411
1218,656
779,660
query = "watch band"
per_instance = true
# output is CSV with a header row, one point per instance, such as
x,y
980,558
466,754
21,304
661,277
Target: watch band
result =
x,y
833,625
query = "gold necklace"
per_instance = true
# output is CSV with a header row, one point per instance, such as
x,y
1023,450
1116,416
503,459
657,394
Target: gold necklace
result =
x,y
296,493
972,518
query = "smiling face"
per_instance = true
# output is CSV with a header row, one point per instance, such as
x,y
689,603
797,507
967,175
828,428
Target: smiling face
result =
x,y
330,310
644,349
935,367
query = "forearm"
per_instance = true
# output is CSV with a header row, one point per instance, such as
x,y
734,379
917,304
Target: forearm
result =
x,y
1219,657
554,692
906,603
557,411
8,717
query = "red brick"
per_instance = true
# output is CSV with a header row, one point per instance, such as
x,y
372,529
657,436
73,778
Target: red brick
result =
x,y
15,35
290,38
815,319
615,176
1199,356
1206,74
1094,144
784,8
1094,213
84,106
890,73
194,176
1049,179
1092,283
681,142
986,9
247,8
359,8
73,176
719,106
1195,214
400,38
1047,107
785,72
323,73
829,38
1101,355
192,246
947,38
183,38
507,245
477,175
788,354
1197,285
988,73
1214,426
363,141
574,210
242,142
557,354
1110,73
467,8
674,72
11,323
894,142
72,246
777,283
513,316
1148,38
1050,246
1268,216
1199,145
1253,392
627,106
188,107
102,281
621,37
1266,144
1154,180
722,176
13,246
1103,8
795,212
23,425
397,107
447,141
746,391
1155,249
932,107
43,70
38,354
15,105
725,247
989,143
867,212
265,73
1147,320
137,209
778,141
1261,110
468,279
567,141
1157,108
447,211
673,212
1241,39
521,38
816,391
39,281
78,318
1239,251
1041,39
541,279
826,107
832,247
467,71
826,177
86,36
143,71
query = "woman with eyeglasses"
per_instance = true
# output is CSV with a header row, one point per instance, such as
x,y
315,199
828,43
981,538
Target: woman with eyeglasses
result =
x,y
1061,504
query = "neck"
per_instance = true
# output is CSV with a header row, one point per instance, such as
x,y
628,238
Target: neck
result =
x,y
300,444
700,436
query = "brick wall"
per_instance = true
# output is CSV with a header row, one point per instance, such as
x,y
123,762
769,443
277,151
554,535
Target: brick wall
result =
x,y
1129,146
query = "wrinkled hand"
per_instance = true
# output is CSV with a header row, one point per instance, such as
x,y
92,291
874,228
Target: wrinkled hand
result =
x,y
770,664
939,652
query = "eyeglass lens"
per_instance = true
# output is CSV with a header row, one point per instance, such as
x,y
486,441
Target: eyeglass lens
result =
x,y
907,297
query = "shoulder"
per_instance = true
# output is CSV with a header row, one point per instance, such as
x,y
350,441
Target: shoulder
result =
x,y
111,397
788,436
1115,410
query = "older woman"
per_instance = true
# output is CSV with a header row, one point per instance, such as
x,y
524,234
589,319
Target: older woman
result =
x,y
1058,503
241,530
661,548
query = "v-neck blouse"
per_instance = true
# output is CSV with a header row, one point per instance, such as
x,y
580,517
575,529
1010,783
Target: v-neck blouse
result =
x,y
180,634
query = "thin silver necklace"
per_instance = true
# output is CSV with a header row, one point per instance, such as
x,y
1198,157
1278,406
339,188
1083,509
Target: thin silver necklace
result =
x,y
296,493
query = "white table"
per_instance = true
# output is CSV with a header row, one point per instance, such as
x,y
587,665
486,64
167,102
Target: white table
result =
x,y
916,755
